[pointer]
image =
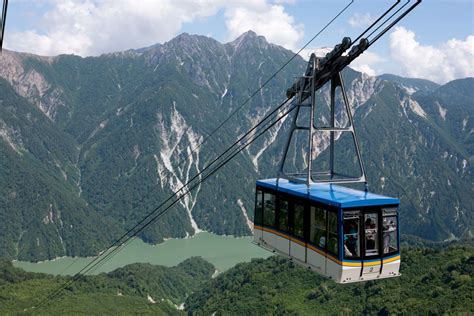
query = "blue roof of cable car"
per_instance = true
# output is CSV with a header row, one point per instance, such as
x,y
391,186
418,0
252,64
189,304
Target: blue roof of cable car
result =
x,y
331,194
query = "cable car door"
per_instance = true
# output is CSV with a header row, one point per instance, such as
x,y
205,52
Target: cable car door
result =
x,y
371,261
352,243
297,243
258,217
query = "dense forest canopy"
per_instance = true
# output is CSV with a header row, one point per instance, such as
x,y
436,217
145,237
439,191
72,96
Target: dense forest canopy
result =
x,y
435,280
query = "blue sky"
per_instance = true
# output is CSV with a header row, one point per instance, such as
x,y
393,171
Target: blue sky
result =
x,y
436,41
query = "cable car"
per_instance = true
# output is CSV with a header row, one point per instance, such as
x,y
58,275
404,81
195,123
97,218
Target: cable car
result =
x,y
345,234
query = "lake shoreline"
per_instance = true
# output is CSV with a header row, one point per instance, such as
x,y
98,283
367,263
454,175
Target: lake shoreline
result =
x,y
223,251
152,245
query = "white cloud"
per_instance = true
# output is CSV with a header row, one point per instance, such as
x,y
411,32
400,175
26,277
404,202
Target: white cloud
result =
x,y
319,51
368,63
365,68
91,28
94,27
269,20
450,60
284,1
360,19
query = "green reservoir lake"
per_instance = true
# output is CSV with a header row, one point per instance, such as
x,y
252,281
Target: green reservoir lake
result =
x,y
223,252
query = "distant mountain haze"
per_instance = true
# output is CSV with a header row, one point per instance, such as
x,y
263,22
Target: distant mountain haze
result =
x,y
89,146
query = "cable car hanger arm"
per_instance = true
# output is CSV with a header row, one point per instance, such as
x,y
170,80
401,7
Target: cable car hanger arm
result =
x,y
335,62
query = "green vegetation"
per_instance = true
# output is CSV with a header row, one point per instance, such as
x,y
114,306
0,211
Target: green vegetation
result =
x,y
128,290
433,282
108,115
41,214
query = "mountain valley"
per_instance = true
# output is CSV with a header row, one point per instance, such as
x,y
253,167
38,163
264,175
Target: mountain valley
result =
x,y
90,145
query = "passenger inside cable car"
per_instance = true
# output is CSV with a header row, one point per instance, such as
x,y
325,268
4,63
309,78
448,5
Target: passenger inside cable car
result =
x,y
351,238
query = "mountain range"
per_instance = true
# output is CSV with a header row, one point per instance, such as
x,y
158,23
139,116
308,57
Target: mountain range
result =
x,y
90,145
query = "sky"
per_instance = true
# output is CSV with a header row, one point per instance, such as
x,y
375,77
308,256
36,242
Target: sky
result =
x,y
435,41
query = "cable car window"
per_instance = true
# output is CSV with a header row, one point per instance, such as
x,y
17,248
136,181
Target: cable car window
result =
x,y
258,216
268,209
318,227
351,235
390,233
332,233
283,217
371,234
298,227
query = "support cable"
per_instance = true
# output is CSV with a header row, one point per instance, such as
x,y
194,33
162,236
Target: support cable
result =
x,y
236,143
376,21
388,19
394,22
193,150
188,191
267,81
109,255
227,119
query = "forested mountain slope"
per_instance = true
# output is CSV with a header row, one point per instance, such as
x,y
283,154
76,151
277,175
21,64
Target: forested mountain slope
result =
x,y
433,281
134,289
41,214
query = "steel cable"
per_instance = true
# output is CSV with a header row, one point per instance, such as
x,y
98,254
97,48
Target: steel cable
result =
x,y
103,259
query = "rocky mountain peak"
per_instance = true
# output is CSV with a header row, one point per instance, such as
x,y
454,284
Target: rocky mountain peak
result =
x,y
249,35
184,40
249,39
